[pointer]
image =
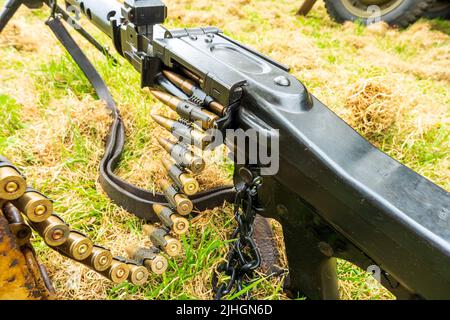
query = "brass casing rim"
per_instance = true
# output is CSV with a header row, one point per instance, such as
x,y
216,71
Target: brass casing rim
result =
x,y
138,275
10,176
360,8
52,228
184,205
190,185
97,256
80,247
118,272
180,224
30,202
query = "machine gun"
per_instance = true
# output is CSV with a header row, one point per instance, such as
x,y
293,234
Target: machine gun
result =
x,y
335,194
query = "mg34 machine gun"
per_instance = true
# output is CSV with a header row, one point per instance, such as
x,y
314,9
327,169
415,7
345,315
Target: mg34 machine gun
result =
x,y
335,194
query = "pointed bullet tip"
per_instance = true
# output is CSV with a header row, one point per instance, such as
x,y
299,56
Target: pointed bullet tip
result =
x,y
164,122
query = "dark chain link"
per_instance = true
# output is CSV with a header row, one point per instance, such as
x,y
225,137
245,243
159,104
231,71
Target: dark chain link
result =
x,y
243,257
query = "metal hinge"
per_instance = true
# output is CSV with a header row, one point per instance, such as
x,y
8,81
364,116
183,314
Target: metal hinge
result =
x,y
191,32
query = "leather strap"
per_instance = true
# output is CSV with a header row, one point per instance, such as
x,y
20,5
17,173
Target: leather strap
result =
x,y
132,198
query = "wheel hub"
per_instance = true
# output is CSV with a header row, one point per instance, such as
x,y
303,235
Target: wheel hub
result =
x,y
360,8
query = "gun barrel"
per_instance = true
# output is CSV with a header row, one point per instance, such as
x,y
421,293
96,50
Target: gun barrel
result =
x,y
99,12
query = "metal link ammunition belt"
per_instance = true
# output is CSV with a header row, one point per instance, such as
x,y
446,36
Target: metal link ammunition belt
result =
x,y
198,112
29,208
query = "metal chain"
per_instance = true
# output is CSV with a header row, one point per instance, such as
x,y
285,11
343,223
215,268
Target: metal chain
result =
x,y
243,257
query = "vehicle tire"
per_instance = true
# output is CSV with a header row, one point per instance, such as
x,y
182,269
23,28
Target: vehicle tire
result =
x,y
441,9
400,13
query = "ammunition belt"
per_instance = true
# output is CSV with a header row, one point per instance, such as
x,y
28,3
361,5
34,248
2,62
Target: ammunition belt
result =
x,y
132,198
57,234
23,207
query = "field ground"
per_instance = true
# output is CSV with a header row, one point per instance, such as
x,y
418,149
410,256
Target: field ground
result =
x,y
390,85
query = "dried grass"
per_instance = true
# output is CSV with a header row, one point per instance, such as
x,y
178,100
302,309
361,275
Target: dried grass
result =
x,y
13,36
373,108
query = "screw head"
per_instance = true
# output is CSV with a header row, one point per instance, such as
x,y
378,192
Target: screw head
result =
x,y
246,175
282,81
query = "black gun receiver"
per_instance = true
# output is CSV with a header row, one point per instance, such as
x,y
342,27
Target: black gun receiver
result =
x,y
335,194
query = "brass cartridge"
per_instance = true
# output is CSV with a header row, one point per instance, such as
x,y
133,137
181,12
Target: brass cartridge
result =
x,y
77,246
188,110
183,156
99,260
12,184
185,181
149,257
35,206
170,219
54,231
138,274
117,272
